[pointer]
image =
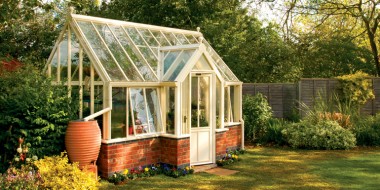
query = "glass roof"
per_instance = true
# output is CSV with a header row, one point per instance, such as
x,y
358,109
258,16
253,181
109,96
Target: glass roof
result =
x,y
174,61
126,51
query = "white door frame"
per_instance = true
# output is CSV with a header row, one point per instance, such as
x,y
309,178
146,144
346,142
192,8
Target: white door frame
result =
x,y
212,120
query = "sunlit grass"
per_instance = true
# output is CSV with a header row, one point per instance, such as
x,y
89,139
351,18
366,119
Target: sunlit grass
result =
x,y
274,168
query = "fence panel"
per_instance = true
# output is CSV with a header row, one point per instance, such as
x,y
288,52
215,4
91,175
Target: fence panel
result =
x,y
284,98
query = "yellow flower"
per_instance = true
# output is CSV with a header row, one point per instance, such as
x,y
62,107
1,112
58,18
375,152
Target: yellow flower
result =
x,y
187,168
125,171
146,169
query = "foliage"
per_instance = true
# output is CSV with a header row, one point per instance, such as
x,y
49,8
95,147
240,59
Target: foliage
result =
x,y
321,135
357,17
58,173
22,174
325,56
367,131
230,157
273,134
332,109
34,109
148,171
356,88
257,113
342,119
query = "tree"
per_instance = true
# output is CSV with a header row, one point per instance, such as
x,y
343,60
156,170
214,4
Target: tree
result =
x,y
366,16
330,56
28,29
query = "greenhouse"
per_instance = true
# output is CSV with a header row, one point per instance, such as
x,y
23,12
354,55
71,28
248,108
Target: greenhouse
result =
x,y
160,95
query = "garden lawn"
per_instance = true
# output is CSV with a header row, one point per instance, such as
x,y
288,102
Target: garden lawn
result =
x,y
276,168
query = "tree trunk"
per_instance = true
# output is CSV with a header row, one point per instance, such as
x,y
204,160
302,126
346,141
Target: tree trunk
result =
x,y
374,52
371,36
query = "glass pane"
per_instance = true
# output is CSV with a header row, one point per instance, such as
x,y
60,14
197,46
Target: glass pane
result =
x,y
160,38
101,51
118,53
182,39
182,61
139,110
169,60
172,39
142,67
74,58
148,37
98,96
218,98
204,101
194,101
221,66
63,59
149,56
227,106
170,109
153,109
185,105
202,64
192,39
232,99
98,101
118,113
132,32
53,66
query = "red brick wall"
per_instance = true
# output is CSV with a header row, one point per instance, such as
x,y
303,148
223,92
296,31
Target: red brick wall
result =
x,y
132,154
230,140
175,152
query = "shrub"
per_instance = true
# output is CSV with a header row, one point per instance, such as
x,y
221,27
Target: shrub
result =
x,y
273,133
58,173
230,157
367,131
20,178
34,109
322,135
356,88
257,113
22,174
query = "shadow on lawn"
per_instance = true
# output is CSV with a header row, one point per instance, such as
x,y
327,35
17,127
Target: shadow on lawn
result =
x,y
274,168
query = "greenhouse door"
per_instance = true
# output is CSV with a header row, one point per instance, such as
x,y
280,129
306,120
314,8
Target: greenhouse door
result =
x,y
201,143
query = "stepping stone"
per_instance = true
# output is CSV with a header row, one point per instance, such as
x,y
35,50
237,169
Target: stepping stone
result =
x,y
221,171
202,168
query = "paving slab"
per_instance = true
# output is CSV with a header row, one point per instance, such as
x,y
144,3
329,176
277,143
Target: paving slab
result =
x,y
221,171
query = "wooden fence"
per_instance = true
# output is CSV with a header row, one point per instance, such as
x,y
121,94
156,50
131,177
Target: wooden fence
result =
x,y
284,98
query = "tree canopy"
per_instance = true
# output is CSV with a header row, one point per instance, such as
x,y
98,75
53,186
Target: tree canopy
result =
x,y
315,39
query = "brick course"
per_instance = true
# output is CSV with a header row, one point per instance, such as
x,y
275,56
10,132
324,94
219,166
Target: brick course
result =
x,y
118,156
132,154
228,140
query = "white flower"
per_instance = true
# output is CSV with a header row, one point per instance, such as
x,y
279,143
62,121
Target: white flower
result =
x,y
19,150
34,157
27,159
17,159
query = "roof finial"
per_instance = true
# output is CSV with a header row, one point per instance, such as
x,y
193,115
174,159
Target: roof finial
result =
x,y
200,39
71,10
198,29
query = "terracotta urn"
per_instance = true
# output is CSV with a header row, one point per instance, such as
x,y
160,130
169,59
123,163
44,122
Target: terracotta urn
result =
x,y
83,140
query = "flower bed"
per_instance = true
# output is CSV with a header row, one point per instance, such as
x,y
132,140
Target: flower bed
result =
x,y
53,172
230,157
147,171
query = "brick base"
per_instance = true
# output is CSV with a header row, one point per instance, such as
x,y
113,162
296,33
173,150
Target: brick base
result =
x,y
119,156
228,140
115,157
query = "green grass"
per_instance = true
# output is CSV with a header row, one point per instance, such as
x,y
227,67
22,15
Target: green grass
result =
x,y
274,168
